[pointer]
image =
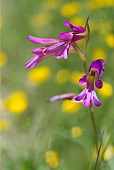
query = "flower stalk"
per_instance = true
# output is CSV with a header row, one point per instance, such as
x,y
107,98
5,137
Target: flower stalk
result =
x,y
91,111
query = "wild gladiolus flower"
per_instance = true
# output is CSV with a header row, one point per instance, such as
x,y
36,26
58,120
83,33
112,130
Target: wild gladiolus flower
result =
x,y
61,46
91,80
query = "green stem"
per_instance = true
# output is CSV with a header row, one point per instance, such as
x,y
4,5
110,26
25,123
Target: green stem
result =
x,y
85,47
94,125
98,152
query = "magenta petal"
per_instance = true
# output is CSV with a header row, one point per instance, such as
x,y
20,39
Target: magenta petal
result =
x,y
77,37
87,100
66,35
99,66
77,29
67,96
39,50
62,52
55,47
83,80
60,49
42,40
32,62
99,84
95,100
81,95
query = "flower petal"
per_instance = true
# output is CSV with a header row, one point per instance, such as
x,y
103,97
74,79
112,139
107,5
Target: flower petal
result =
x,y
36,60
77,29
95,100
42,40
99,66
62,52
39,50
60,49
99,84
83,80
62,97
77,37
54,47
32,62
65,35
87,100
81,95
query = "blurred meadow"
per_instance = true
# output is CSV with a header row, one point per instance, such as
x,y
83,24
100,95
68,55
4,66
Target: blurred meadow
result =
x,y
34,134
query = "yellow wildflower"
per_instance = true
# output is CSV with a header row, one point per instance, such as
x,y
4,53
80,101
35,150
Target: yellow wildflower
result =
x,y
100,4
62,76
41,19
39,75
77,21
16,103
52,159
69,9
70,106
106,90
3,124
76,132
1,22
50,4
99,53
75,76
108,153
110,40
3,59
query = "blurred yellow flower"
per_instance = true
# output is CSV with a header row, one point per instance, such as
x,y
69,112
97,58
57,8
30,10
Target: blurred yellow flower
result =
x,y
69,9
110,40
76,132
1,22
75,76
108,153
62,76
16,102
70,106
41,19
100,4
50,4
39,75
99,54
52,159
3,59
77,21
4,124
107,90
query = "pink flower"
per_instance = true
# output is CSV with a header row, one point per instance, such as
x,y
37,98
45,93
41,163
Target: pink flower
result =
x,y
61,46
92,80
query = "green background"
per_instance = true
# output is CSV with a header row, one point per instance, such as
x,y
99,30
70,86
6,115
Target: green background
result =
x,y
45,126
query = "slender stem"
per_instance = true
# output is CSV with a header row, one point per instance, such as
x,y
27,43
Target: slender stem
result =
x,y
98,152
85,69
85,47
94,125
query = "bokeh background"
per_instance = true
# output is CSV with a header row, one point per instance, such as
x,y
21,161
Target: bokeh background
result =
x,y
36,135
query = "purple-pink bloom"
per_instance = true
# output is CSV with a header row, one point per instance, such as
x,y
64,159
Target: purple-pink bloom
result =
x,y
91,80
67,96
61,46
